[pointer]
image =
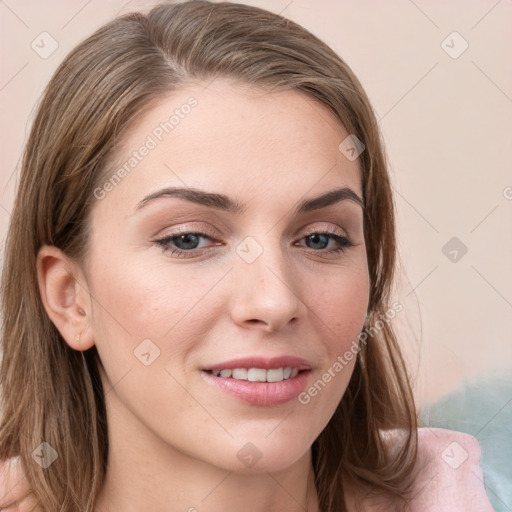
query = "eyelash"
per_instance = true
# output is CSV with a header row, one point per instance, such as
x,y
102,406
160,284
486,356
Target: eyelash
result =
x,y
343,242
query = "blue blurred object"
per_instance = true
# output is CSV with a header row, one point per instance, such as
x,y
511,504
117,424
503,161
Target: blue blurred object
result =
x,y
482,408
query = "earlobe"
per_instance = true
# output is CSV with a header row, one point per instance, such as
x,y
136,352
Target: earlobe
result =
x,y
65,296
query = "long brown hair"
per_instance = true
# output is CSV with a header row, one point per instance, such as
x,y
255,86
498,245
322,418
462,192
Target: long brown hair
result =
x,y
52,393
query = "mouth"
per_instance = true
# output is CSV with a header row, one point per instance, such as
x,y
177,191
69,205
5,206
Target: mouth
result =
x,y
259,381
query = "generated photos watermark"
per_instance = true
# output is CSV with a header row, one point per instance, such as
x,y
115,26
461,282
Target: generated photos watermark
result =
x,y
156,136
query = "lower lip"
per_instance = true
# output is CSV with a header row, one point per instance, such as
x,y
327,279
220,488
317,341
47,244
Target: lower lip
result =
x,y
261,393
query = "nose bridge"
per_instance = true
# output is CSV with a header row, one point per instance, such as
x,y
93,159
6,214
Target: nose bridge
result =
x,y
266,289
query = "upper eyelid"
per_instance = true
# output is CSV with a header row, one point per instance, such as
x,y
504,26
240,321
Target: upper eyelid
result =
x,y
192,228
203,232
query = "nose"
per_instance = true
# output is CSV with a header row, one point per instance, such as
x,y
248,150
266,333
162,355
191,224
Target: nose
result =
x,y
266,293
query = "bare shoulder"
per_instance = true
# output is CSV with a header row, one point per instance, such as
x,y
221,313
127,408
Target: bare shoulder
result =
x,y
13,487
449,476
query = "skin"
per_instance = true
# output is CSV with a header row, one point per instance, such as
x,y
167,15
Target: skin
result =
x,y
174,438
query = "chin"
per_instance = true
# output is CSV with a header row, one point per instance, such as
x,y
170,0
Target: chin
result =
x,y
261,452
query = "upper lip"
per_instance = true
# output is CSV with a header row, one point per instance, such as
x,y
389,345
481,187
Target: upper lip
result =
x,y
262,362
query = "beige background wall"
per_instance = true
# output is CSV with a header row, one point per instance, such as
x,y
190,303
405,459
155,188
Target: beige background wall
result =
x,y
446,114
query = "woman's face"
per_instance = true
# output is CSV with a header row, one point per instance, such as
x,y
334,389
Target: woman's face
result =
x,y
255,283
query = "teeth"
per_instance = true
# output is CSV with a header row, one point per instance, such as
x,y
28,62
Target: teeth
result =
x,y
240,373
276,375
258,374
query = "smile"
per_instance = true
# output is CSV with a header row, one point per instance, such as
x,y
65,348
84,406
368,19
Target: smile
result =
x,y
259,380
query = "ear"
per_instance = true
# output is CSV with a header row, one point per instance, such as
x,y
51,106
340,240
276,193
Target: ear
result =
x,y
65,296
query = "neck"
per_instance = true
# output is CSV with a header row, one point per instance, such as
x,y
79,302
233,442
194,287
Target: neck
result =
x,y
145,473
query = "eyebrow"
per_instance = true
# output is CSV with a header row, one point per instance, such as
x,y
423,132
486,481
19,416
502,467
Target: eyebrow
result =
x,y
225,203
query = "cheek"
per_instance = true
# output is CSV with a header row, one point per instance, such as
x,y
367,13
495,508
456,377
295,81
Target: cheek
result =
x,y
340,302
135,301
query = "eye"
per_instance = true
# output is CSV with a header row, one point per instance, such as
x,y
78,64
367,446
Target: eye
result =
x,y
187,244
184,243
319,240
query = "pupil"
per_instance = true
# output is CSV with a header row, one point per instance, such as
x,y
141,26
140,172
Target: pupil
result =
x,y
319,237
185,238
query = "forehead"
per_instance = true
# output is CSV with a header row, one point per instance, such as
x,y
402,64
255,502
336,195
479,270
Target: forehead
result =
x,y
234,138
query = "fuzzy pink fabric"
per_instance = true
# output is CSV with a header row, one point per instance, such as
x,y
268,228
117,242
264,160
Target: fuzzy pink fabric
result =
x,y
452,480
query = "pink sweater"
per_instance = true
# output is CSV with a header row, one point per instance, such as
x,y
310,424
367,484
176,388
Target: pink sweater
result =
x,y
452,480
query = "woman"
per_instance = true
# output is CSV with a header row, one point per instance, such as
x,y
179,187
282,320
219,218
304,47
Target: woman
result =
x,y
196,287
